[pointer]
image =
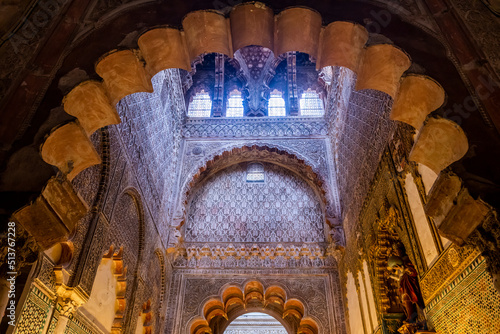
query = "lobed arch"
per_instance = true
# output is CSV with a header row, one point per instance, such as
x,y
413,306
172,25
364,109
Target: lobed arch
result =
x,y
146,319
134,275
124,72
105,305
137,199
132,18
163,288
272,153
233,300
263,154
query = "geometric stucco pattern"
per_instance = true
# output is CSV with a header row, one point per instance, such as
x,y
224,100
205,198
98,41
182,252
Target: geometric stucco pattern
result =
x,y
311,291
312,150
151,133
125,224
254,127
228,209
366,130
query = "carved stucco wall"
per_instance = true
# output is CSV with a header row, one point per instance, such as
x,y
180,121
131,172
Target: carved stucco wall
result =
x,y
128,221
228,209
87,184
153,279
119,222
365,130
362,235
151,135
124,228
311,146
318,290
385,189
359,129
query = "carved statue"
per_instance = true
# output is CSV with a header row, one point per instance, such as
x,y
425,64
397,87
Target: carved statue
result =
x,y
404,272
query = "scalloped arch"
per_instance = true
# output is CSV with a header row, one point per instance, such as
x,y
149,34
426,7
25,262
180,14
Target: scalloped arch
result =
x,y
233,301
261,153
379,67
107,301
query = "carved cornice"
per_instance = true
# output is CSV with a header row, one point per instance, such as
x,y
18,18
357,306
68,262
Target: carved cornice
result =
x,y
255,127
254,256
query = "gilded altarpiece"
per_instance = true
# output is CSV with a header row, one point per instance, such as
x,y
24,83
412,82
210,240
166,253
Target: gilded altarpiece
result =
x,y
457,290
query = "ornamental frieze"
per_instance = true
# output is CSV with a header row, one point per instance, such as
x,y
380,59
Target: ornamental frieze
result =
x,y
254,127
254,256
451,263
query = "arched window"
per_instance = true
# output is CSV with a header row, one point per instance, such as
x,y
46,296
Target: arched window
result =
x,y
234,104
311,104
201,105
276,104
255,323
255,173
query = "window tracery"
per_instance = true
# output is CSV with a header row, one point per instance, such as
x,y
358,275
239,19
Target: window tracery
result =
x,y
234,104
311,104
276,107
255,173
201,105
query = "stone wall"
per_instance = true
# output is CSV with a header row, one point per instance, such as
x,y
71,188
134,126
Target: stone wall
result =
x,y
317,291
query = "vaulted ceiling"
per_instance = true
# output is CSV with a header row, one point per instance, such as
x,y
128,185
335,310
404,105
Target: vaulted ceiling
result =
x,y
66,55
